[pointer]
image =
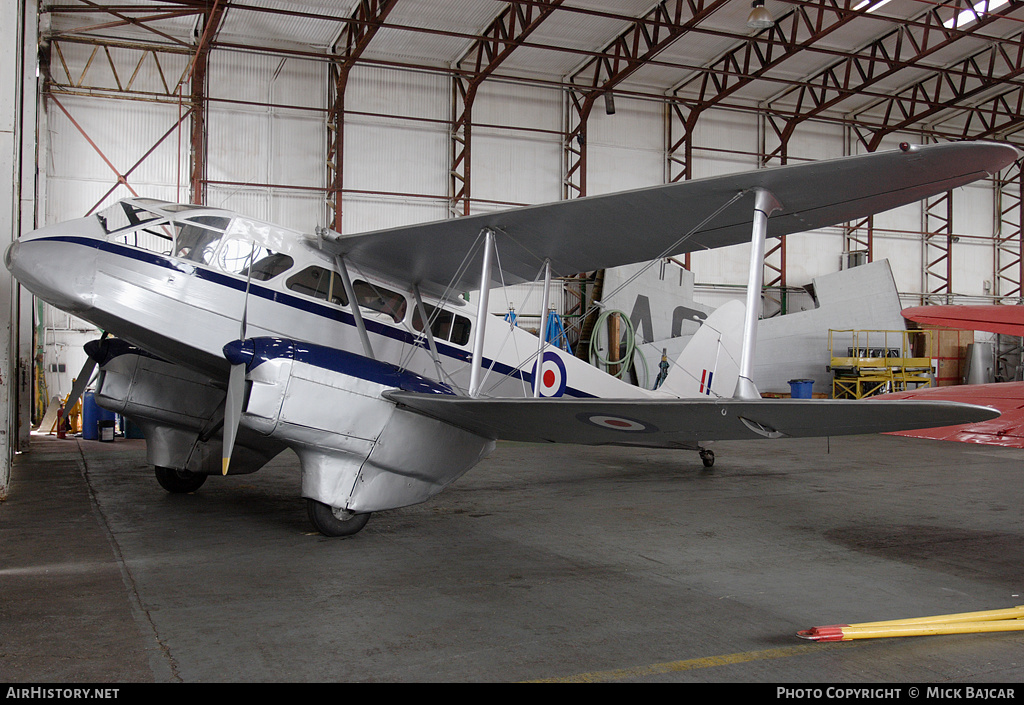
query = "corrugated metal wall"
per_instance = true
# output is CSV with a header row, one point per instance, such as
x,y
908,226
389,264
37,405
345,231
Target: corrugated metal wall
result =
x,y
517,145
267,139
265,159
396,149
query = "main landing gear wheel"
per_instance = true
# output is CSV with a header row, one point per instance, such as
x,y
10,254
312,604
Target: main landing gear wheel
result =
x,y
707,457
179,481
331,521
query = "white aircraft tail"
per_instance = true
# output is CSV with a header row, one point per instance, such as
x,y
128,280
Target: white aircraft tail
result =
x,y
709,365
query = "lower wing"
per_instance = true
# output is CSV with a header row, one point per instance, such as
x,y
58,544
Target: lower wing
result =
x,y
681,423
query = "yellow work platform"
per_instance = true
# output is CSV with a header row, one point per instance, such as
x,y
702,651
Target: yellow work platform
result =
x,y
868,362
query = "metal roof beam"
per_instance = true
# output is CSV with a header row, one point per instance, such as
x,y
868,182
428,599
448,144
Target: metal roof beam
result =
x,y
946,89
211,20
640,43
501,37
353,40
904,47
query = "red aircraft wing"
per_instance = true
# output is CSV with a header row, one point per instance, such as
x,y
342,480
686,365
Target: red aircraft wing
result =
x,y
1007,320
1006,397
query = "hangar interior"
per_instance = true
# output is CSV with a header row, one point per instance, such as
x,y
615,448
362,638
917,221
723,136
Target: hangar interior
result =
x,y
366,115
360,115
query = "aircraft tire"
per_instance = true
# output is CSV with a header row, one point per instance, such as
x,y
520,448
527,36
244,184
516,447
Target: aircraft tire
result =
x,y
331,522
707,457
179,481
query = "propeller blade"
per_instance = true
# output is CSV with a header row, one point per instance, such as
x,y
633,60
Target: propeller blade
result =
x,y
232,412
239,353
236,354
82,381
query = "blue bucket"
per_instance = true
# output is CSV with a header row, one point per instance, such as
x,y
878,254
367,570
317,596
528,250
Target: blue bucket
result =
x,y
801,388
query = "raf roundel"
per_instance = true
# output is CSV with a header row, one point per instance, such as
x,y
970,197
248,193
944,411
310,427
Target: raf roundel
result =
x,y
552,376
617,423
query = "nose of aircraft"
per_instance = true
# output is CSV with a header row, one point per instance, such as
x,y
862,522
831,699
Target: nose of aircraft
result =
x,y
11,255
55,265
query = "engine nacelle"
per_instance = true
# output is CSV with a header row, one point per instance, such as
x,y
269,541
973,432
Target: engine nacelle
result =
x,y
178,411
359,451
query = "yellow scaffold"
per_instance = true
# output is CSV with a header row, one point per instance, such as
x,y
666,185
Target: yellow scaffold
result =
x,y
867,362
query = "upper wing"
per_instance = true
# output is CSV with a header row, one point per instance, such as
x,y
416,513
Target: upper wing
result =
x,y
587,234
1007,397
680,423
1008,320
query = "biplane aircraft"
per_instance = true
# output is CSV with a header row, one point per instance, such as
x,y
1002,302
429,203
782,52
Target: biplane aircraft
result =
x,y
227,339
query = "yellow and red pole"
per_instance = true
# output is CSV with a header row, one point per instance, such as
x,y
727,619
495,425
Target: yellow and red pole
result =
x,y
1004,620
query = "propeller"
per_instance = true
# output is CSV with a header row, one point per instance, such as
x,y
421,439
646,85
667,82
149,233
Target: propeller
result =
x,y
235,352
82,381
239,353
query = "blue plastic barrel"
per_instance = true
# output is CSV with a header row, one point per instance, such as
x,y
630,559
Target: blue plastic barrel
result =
x,y
92,414
801,388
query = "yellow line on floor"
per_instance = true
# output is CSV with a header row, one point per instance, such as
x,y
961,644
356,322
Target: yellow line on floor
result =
x,y
622,674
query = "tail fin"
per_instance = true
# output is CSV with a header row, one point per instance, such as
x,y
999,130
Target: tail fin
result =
x,y
709,365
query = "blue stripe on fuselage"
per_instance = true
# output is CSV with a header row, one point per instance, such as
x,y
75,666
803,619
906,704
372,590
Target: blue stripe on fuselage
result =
x,y
256,289
328,358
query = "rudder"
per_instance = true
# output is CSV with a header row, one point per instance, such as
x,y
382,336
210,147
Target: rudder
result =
x,y
709,364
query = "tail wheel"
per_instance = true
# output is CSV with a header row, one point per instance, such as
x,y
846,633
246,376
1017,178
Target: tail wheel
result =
x,y
332,521
179,481
707,457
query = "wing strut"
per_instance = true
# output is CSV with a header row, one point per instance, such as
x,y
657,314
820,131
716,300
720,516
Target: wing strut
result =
x,y
427,331
542,333
765,204
350,292
481,315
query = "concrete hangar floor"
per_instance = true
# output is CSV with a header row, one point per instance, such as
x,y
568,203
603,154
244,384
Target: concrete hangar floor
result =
x,y
543,563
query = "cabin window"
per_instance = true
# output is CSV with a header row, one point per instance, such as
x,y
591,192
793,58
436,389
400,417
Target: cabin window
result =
x,y
381,300
270,266
197,238
236,256
460,331
444,325
326,284
319,283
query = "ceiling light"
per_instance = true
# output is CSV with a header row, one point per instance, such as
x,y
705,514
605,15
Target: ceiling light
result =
x,y
876,6
759,18
976,12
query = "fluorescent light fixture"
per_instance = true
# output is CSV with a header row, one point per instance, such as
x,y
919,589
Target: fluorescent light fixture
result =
x,y
983,7
874,7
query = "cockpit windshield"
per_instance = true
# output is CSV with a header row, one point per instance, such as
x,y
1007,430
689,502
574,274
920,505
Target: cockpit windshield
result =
x,y
124,214
191,233
128,223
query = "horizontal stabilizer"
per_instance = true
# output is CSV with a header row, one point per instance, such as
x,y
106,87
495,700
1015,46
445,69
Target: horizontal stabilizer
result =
x,y
681,423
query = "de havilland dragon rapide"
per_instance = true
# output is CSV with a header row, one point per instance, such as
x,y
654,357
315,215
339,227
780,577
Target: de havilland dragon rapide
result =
x,y
227,339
